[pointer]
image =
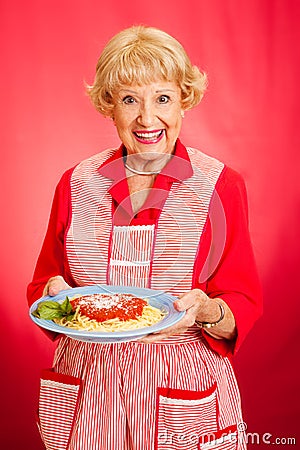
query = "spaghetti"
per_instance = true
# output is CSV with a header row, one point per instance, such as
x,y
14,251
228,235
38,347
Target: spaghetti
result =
x,y
111,313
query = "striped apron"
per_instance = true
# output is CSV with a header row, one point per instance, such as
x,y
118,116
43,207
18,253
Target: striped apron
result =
x,y
175,394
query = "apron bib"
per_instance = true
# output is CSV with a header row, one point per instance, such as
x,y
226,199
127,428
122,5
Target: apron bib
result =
x,y
159,256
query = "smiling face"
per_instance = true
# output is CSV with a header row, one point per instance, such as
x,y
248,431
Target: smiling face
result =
x,y
148,118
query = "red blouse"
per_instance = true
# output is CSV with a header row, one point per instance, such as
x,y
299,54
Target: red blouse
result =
x,y
235,279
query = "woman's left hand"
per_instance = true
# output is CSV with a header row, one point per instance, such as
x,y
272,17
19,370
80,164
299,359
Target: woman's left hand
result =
x,y
198,306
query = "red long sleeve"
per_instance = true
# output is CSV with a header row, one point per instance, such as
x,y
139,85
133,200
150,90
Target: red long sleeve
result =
x,y
52,259
235,278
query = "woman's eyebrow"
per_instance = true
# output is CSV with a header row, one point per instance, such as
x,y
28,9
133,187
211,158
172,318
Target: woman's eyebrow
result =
x,y
128,91
164,90
158,91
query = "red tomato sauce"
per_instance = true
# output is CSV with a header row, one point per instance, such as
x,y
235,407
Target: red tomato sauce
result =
x,y
101,307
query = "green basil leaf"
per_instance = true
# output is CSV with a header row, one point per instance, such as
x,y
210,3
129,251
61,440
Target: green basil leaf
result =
x,y
49,304
49,310
66,306
70,317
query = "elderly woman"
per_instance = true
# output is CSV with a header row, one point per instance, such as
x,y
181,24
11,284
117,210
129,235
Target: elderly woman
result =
x,y
154,214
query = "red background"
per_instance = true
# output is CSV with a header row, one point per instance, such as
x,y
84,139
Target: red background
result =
x,y
248,119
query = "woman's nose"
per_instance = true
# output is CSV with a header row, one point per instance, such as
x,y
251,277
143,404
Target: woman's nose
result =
x,y
146,115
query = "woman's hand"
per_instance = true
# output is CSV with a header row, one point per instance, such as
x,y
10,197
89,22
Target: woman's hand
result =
x,y
55,285
200,307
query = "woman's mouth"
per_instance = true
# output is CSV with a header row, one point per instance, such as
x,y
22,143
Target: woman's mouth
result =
x,y
149,137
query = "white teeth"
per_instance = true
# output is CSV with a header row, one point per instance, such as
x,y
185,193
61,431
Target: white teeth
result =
x,y
148,135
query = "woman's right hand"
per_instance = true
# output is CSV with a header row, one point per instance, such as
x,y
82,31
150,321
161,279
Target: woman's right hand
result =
x,y
55,285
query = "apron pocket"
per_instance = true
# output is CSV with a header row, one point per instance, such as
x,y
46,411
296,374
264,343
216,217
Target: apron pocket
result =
x,y
58,400
184,416
226,439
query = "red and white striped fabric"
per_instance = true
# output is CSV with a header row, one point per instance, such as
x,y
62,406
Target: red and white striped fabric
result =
x,y
167,395
226,439
162,396
58,402
91,237
199,408
130,256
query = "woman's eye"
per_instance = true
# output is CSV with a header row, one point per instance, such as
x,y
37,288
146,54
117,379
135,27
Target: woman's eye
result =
x,y
163,99
128,100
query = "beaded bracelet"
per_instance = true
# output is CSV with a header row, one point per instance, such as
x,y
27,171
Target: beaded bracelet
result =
x,y
212,324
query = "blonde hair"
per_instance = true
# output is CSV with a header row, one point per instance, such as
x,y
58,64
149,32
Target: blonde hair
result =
x,y
140,55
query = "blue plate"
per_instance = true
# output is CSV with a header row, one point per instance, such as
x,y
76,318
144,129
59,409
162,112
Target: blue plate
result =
x,y
158,299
